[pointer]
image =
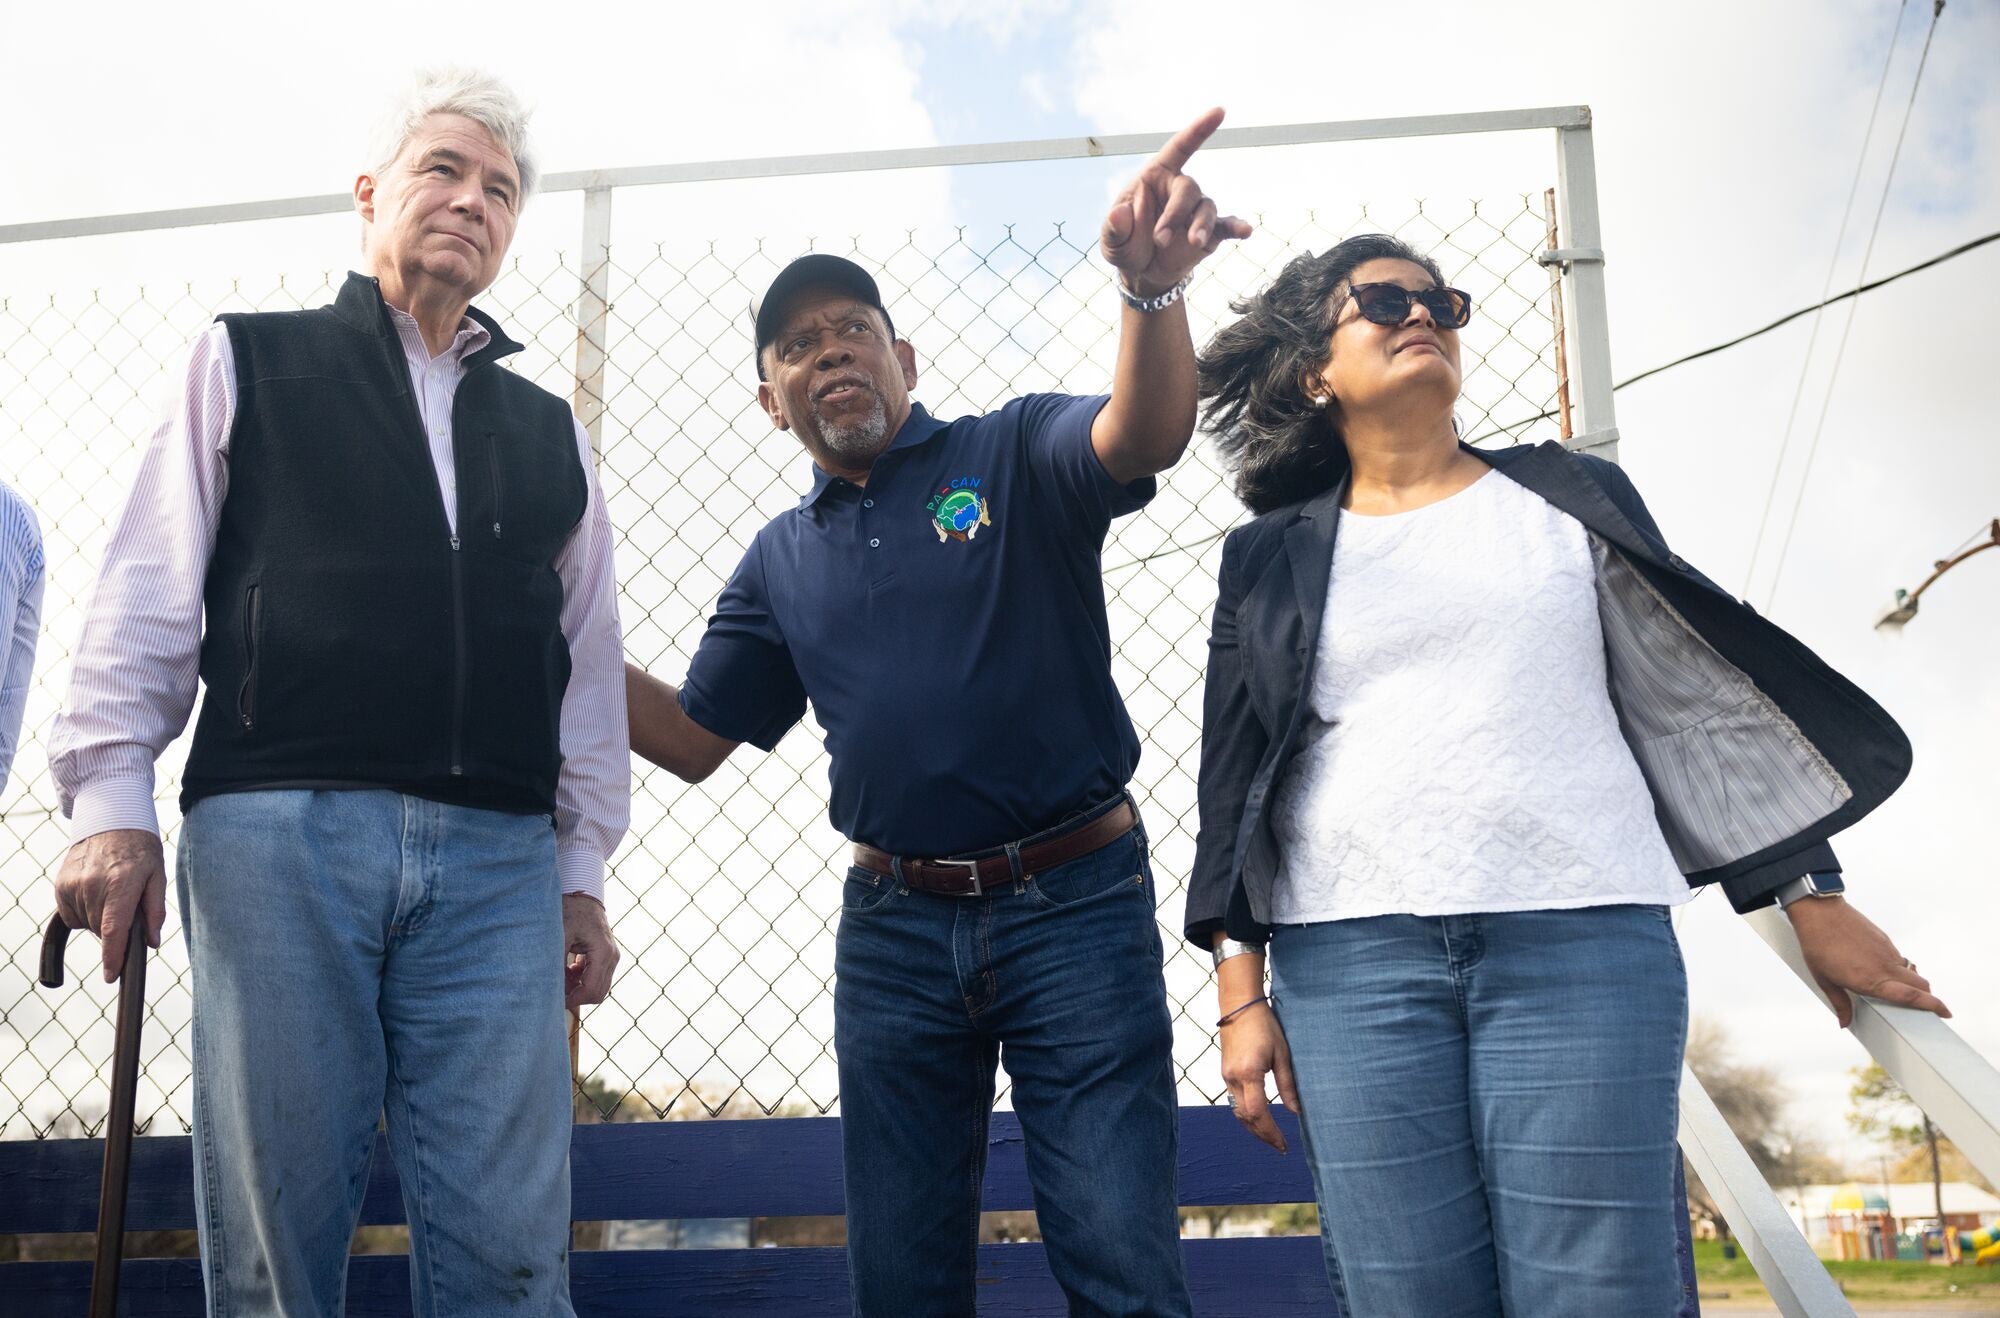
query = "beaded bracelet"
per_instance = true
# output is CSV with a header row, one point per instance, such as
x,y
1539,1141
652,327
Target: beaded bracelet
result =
x,y
1234,1012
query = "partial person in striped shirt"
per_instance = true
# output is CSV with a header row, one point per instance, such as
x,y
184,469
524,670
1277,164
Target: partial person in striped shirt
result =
x,y
410,766
20,617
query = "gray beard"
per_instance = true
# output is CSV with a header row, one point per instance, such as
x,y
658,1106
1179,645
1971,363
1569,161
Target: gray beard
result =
x,y
856,442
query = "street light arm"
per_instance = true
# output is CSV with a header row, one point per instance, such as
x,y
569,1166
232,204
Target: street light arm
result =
x,y
1947,564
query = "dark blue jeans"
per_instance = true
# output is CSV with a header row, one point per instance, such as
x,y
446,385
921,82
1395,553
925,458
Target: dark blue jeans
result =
x,y
1058,977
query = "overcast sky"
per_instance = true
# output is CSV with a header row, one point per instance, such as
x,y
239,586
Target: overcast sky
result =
x,y
1727,136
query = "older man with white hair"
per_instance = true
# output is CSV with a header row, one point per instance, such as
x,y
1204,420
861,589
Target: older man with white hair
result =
x,y
410,765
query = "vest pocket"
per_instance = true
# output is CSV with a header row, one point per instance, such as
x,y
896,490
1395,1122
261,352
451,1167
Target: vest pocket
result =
x,y
246,695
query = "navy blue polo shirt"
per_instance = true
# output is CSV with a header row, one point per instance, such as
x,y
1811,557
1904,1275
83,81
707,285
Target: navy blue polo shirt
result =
x,y
947,625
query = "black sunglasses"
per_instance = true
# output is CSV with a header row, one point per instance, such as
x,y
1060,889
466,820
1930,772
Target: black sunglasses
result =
x,y
1389,304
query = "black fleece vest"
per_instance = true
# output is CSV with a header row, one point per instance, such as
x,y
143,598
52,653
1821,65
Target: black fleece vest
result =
x,y
352,641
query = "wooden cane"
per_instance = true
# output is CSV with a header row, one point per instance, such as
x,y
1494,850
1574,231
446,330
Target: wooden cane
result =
x,y
124,1099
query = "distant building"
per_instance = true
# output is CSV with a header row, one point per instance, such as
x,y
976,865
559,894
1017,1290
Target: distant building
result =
x,y
1859,1220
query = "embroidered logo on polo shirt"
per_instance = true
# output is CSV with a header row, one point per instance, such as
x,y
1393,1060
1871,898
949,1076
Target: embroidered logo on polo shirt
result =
x,y
958,509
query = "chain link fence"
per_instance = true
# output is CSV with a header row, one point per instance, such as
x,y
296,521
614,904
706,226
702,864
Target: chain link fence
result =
x,y
725,894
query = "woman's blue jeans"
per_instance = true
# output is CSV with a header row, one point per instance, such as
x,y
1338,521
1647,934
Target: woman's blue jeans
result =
x,y
1491,1108
360,951
1056,976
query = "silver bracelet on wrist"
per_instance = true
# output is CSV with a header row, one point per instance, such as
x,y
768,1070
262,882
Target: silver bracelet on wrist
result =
x,y
1229,947
1157,302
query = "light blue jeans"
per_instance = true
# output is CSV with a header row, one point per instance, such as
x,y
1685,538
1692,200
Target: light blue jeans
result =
x,y
1491,1104
356,951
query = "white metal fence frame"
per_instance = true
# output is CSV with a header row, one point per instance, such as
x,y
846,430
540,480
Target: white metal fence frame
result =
x,y
1959,1089
1582,258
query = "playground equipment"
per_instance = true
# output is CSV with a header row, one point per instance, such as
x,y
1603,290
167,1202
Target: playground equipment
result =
x,y
1981,1246
1860,1224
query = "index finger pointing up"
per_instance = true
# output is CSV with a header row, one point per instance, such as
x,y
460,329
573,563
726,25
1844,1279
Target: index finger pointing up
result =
x,y
1180,148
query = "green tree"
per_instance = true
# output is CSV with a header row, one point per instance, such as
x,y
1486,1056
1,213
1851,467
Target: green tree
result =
x,y
597,1100
1880,1108
1754,1102
1295,1220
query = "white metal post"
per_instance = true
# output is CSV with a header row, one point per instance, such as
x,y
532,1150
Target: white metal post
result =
x,y
1597,424
1785,1263
593,313
1559,117
593,317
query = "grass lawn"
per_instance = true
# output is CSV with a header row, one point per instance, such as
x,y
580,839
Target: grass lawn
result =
x,y
1902,1282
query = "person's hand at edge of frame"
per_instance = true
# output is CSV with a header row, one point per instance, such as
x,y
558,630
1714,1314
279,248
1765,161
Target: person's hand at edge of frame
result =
x,y
1848,953
1253,1046
590,953
108,878
1162,226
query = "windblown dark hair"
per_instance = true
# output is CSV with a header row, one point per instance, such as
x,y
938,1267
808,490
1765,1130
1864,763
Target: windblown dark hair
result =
x,y
1278,447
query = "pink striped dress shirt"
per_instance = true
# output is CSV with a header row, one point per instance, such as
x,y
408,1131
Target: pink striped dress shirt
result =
x,y
134,677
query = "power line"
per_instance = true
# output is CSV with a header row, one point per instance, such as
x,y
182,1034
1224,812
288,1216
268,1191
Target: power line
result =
x,y
1181,547
1786,319
1789,317
1781,321
1812,449
1832,263
1175,547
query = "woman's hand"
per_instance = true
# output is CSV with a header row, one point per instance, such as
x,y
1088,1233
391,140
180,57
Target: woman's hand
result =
x,y
1253,1046
1847,953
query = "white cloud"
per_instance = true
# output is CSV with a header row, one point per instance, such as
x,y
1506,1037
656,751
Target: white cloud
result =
x,y
1035,87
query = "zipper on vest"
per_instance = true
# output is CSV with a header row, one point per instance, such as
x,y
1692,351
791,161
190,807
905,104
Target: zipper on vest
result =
x,y
246,695
493,466
457,661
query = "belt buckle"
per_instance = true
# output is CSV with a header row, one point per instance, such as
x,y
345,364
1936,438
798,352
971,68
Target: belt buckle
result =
x,y
971,868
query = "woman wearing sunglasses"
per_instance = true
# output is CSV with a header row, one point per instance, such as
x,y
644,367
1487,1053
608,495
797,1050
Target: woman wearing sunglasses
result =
x,y
1471,730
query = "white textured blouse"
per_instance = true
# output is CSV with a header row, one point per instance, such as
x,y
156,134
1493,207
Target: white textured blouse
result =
x,y
1466,755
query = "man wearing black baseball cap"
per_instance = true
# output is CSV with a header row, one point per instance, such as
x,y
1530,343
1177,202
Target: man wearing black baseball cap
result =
x,y
816,270
937,598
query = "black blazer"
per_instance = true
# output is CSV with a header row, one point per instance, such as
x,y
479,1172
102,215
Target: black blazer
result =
x,y
1828,742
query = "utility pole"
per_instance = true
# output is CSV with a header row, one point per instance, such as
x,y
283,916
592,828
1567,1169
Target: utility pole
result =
x,y
1937,1175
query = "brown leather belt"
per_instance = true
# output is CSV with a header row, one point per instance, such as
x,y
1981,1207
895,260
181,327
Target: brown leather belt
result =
x,y
974,875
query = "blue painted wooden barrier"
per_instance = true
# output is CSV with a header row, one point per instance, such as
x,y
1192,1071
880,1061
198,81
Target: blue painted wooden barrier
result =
x,y
677,1169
